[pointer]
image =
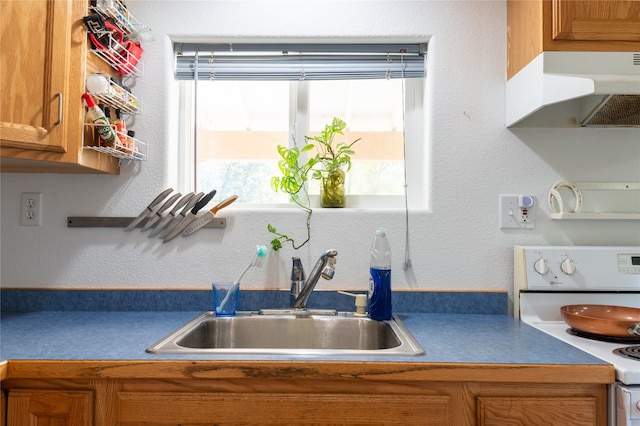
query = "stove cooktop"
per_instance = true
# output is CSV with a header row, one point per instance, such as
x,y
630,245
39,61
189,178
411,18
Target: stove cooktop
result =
x,y
627,369
549,277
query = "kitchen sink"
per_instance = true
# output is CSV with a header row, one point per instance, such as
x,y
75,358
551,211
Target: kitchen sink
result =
x,y
290,334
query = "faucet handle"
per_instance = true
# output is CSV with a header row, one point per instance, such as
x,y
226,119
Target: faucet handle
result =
x,y
297,271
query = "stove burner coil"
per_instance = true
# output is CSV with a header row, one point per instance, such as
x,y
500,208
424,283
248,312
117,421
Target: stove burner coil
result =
x,y
611,339
632,352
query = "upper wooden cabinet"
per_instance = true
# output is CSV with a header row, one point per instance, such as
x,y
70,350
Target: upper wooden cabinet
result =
x,y
569,25
42,63
599,20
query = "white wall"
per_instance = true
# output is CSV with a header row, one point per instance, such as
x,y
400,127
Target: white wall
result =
x,y
473,157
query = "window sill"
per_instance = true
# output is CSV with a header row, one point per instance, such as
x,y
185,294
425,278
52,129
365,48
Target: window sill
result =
x,y
357,202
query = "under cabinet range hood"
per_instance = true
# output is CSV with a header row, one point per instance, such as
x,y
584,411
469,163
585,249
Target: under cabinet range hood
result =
x,y
574,89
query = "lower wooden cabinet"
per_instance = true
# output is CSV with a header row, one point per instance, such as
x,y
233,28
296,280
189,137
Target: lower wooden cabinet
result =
x,y
35,407
304,402
537,411
159,408
3,409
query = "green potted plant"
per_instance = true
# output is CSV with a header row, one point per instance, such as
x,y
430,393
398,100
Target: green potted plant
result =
x,y
333,159
293,182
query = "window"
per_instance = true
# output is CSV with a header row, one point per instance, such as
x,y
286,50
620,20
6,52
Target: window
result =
x,y
248,101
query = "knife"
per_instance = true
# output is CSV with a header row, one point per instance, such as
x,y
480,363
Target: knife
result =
x,y
158,213
190,216
172,214
176,220
149,210
207,217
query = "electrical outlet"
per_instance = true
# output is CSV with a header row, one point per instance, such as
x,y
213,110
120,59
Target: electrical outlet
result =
x,y
31,209
516,212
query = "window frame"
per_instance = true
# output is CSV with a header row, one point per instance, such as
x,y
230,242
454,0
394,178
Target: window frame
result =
x,y
416,164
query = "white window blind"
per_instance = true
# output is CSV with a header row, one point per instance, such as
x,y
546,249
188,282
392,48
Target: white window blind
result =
x,y
298,61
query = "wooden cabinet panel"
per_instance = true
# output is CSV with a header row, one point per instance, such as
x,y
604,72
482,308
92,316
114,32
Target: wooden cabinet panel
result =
x,y
524,34
3,408
608,20
534,26
35,37
127,393
524,411
50,408
42,63
169,408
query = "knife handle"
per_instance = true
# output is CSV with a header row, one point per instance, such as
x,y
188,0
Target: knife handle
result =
x,y
181,203
168,203
205,200
223,203
192,202
159,198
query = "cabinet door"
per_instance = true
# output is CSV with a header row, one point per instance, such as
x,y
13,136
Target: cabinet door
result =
x,y
522,410
35,38
172,408
596,20
3,408
50,408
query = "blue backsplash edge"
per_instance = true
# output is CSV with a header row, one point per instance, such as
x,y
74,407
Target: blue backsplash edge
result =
x,y
28,300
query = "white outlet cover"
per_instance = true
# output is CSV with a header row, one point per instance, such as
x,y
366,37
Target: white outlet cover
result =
x,y
31,209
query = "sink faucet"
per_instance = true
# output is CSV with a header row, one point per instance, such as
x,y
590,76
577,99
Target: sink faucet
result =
x,y
300,288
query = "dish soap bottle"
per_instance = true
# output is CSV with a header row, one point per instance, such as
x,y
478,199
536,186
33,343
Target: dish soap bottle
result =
x,y
380,277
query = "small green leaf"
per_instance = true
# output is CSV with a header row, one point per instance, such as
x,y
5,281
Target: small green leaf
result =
x,y
275,183
276,244
337,123
271,228
282,150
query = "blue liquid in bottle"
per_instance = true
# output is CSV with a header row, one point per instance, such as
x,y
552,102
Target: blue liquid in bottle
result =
x,y
380,294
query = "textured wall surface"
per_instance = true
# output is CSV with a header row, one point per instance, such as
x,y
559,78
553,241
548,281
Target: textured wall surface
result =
x,y
455,242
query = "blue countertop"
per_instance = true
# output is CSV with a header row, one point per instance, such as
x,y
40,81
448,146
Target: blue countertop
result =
x,y
113,335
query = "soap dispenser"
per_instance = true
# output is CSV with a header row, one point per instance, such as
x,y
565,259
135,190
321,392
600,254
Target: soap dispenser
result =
x,y
361,303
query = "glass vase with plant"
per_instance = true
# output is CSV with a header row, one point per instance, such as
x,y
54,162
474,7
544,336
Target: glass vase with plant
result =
x,y
334,159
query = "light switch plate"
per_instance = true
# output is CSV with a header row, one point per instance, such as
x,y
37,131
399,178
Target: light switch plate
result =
x,y
516,212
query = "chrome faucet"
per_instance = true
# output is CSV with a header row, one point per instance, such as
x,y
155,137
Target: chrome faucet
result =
x,y
300,288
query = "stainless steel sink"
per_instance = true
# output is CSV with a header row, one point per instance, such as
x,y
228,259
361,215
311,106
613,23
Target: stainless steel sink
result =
x,y
252,333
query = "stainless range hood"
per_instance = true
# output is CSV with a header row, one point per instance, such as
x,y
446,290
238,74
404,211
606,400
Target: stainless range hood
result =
x,y
574,89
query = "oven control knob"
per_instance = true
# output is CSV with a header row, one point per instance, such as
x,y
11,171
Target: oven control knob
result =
x,y
541,266
568,267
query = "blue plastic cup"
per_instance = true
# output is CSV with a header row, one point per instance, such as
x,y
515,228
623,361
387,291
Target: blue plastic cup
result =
x,y
225,306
